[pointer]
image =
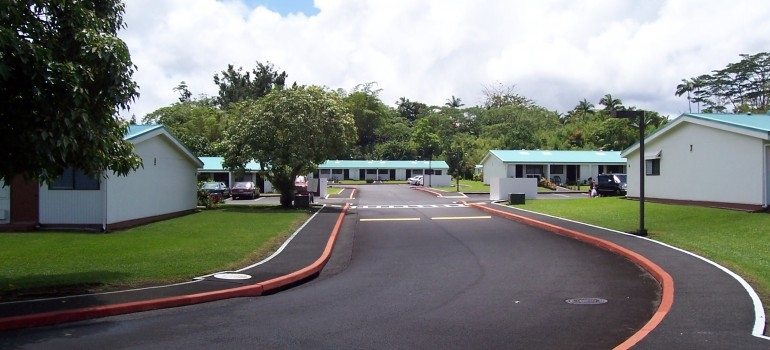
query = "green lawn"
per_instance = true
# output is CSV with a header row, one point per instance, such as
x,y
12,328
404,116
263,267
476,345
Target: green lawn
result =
x,y
333,190
737,240
466,186
168,251
479,186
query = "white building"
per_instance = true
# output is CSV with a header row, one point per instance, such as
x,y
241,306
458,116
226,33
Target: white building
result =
x,y
394,170
720,160
164,187
566,167
214,170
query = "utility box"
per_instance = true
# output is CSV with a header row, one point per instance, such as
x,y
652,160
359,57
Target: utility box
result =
x,y
302,201
516,198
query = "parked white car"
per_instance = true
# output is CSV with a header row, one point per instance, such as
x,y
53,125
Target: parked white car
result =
x,y
415,180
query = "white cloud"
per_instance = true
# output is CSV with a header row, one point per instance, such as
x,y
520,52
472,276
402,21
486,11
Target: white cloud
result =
x,y
555,52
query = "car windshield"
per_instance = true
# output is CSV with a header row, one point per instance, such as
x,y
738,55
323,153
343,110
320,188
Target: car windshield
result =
x,y
210,185
622,178
242,185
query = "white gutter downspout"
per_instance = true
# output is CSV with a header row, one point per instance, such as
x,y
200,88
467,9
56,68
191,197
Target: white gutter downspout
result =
x,y
766,172
104,207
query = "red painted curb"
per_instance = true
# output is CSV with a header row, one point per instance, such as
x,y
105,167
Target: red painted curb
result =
x,y
665,280
426,190
50,318
313,268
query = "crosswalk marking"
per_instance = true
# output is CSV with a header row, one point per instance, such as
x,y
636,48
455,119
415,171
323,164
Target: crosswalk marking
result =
x,y
409,206
462,217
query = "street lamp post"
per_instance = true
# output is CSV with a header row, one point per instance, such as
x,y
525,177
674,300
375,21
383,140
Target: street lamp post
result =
x,y
639,115
430,170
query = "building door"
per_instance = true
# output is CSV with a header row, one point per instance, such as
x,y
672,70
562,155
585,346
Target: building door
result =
x,y
346,174
260,182
362,174
573,174
25,207
392,174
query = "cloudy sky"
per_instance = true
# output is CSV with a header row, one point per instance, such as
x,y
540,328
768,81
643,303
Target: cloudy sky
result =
x,y
555,52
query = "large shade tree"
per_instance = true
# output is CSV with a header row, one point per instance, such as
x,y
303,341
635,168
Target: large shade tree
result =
x,y
740,87
236,85
197,123
369,114
289,132
64,76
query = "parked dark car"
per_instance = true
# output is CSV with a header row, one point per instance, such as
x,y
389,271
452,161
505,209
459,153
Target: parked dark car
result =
x,y
216,187
611,184
244,189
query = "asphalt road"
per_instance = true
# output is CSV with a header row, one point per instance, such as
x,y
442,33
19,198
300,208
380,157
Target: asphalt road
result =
x,y
410,271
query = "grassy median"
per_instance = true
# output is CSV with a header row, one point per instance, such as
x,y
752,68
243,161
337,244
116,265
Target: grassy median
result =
x,y
737,240
51,263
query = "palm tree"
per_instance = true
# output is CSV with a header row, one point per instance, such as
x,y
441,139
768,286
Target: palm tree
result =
x,y
584,107
686,86
454,102
610,103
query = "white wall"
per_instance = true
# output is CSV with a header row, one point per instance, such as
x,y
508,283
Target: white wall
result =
x,y
499,188
166,184
5,203
493,168
437,180
70,206
721,167
319,185
766,201
588,170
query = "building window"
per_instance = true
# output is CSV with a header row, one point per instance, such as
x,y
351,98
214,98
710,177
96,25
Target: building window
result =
x,y
534,170
417,172
652,167
557,169
74,180
325,171
371,171
337,171
614,169
384,171
436,172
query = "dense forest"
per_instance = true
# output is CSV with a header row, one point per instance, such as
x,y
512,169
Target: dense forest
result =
x,y
454,132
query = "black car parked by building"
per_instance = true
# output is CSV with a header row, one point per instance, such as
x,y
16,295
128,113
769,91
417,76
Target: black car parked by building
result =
x,y
611,184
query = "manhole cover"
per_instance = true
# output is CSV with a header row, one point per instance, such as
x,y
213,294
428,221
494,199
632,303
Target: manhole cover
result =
x,y
232,276
586,301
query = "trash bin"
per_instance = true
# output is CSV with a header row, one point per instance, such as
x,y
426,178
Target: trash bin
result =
x,y
302,201
516,198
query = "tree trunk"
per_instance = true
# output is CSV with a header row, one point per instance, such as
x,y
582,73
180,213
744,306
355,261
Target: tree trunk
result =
x,y
287,197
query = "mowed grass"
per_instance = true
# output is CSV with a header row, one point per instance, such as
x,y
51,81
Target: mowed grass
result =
x,y
737,240
333,190
163,252
466,186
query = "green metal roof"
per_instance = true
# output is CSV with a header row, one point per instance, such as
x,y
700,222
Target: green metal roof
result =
x,y
752,123
558,157
215,164
756,122
383,164
136,130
